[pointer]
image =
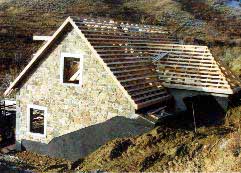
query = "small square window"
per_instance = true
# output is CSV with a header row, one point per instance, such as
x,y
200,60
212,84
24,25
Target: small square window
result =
x,y
36,120
71,69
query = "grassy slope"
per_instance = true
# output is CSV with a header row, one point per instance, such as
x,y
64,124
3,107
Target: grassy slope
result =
x,y
172,147
190,20
165,147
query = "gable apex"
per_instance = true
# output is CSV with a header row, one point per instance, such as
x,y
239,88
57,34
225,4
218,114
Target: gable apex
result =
x,y
42,50
36,57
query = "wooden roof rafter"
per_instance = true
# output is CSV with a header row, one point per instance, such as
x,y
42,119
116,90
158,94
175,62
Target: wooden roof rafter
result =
x,y
206,73
126,52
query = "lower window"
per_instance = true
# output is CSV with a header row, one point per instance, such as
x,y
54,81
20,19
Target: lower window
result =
x,y
37,119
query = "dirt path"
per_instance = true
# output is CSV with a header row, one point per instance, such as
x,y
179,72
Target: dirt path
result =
x,y
25,162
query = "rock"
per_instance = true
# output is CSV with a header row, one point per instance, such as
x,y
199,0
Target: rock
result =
x,y
4,150
11,147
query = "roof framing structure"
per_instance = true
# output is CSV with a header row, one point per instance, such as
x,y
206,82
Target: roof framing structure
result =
x,y
48,44
127,51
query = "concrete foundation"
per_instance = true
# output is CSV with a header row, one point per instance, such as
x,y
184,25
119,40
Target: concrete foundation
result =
x,y
179,95
82,142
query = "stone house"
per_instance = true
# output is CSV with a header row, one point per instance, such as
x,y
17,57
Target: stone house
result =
x,y
93,81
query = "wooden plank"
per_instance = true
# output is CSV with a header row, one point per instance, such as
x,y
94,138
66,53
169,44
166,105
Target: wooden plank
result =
x,y
100,31
132,70
119,27
138,78
114,42
157,110
207,57
188,58
131,66
145,87
136,54
195,82
195,65
205,80
128,40
197,88
76,76
142,82
199,84
129,58
185,66
119,32
153,101
190,71
152,52
202,50
113,23
148,92
133,75
126,36
41,38
149,96
185,61
180,45
128,62
168,73
181,52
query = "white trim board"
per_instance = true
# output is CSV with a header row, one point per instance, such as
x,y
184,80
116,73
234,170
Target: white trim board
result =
x,y
36,57
41,38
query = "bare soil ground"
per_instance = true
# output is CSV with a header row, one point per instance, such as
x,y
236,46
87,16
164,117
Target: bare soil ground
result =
x,y
171,146
32,162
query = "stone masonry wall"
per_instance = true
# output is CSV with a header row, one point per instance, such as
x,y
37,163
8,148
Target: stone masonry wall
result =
x,y
70,108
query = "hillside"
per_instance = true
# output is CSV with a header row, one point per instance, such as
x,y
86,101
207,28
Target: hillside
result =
x,y
207,22
173,146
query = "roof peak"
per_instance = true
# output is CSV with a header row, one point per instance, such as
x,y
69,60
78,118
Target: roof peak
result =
x,y
125,25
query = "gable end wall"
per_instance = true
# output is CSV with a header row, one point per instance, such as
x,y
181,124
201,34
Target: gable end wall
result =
x,y
70,108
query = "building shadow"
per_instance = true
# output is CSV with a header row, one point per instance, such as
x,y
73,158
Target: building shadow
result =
x,y
80,143
202,111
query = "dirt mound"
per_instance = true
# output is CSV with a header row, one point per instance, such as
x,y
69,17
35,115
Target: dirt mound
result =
x,y
168,148
43,163
171,146
150,160
119,148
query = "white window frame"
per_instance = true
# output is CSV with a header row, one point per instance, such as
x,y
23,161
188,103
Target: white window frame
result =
x,y
79,56
42,108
